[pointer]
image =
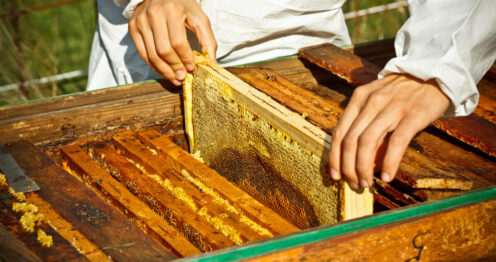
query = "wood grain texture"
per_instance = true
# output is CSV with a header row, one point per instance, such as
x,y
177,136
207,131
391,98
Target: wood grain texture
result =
x,y
354,69
101,181
68,231
160,199
60,250
463,234
181,160
427,194
205,201
12,249
320,111
84,209
472,129
85,98
68,124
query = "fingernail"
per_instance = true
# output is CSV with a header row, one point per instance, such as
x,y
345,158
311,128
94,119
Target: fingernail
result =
x,y
180,74
364,183
189,67
176,83
385,177
334,174
353,185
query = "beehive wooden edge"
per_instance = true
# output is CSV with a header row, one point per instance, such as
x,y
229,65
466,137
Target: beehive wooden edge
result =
x,y
352,204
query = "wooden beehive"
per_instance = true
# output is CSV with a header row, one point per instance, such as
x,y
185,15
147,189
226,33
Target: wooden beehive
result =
x,y
127,146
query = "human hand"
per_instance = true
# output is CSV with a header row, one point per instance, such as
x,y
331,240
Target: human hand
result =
x,y
158,30
390,110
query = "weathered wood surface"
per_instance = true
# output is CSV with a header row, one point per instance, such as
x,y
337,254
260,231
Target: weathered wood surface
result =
x,y
354,69
463,234
61,248
473,130
12,249
101,181
68,231
221,212
101,223
65,119
197,230
233,229
249,206
19,111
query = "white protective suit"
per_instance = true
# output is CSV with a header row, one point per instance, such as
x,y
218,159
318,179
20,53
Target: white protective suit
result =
x,y
452,41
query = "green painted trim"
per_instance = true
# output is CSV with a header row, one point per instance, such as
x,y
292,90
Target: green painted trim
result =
x,y
316,235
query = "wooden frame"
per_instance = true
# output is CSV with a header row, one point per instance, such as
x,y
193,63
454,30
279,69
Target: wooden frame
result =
x,y
210,76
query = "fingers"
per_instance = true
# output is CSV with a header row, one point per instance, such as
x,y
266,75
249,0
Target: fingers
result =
x,y
369,142
163,43
200,25
356,140
393,109
398,143
179,41
154,59
158,29
138,40
346,133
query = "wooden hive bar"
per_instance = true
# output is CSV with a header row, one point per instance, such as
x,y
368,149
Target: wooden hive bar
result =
x,y
184,162
95,176
99,222
266,150
154,190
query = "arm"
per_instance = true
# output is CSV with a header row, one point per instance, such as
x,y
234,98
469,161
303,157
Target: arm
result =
x,y
158,29
442,51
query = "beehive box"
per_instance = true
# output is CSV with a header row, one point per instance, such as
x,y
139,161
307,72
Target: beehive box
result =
x,y
92,131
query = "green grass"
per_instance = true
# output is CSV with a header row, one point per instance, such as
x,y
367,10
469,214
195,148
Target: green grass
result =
x,y
53,41
58,40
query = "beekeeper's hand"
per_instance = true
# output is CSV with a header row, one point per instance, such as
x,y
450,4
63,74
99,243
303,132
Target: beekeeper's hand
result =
x,y
395,107
158,29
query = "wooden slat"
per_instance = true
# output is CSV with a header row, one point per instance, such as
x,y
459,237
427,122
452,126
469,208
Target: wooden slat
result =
x,y
486,108
463,234
127,92
472,129
480,171
157,165
12,249
68,231
426,194
101,181
197,230
60,250
320,111
101,223
354,69
182,160
67,124
386,189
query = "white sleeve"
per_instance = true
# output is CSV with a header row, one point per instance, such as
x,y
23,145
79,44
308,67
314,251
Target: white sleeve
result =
x,y
451,41
129,9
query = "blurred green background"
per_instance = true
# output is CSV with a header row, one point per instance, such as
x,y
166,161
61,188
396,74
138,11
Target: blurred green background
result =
x,y
40,38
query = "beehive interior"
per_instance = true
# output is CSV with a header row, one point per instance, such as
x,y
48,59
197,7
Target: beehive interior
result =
x,y
199,207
